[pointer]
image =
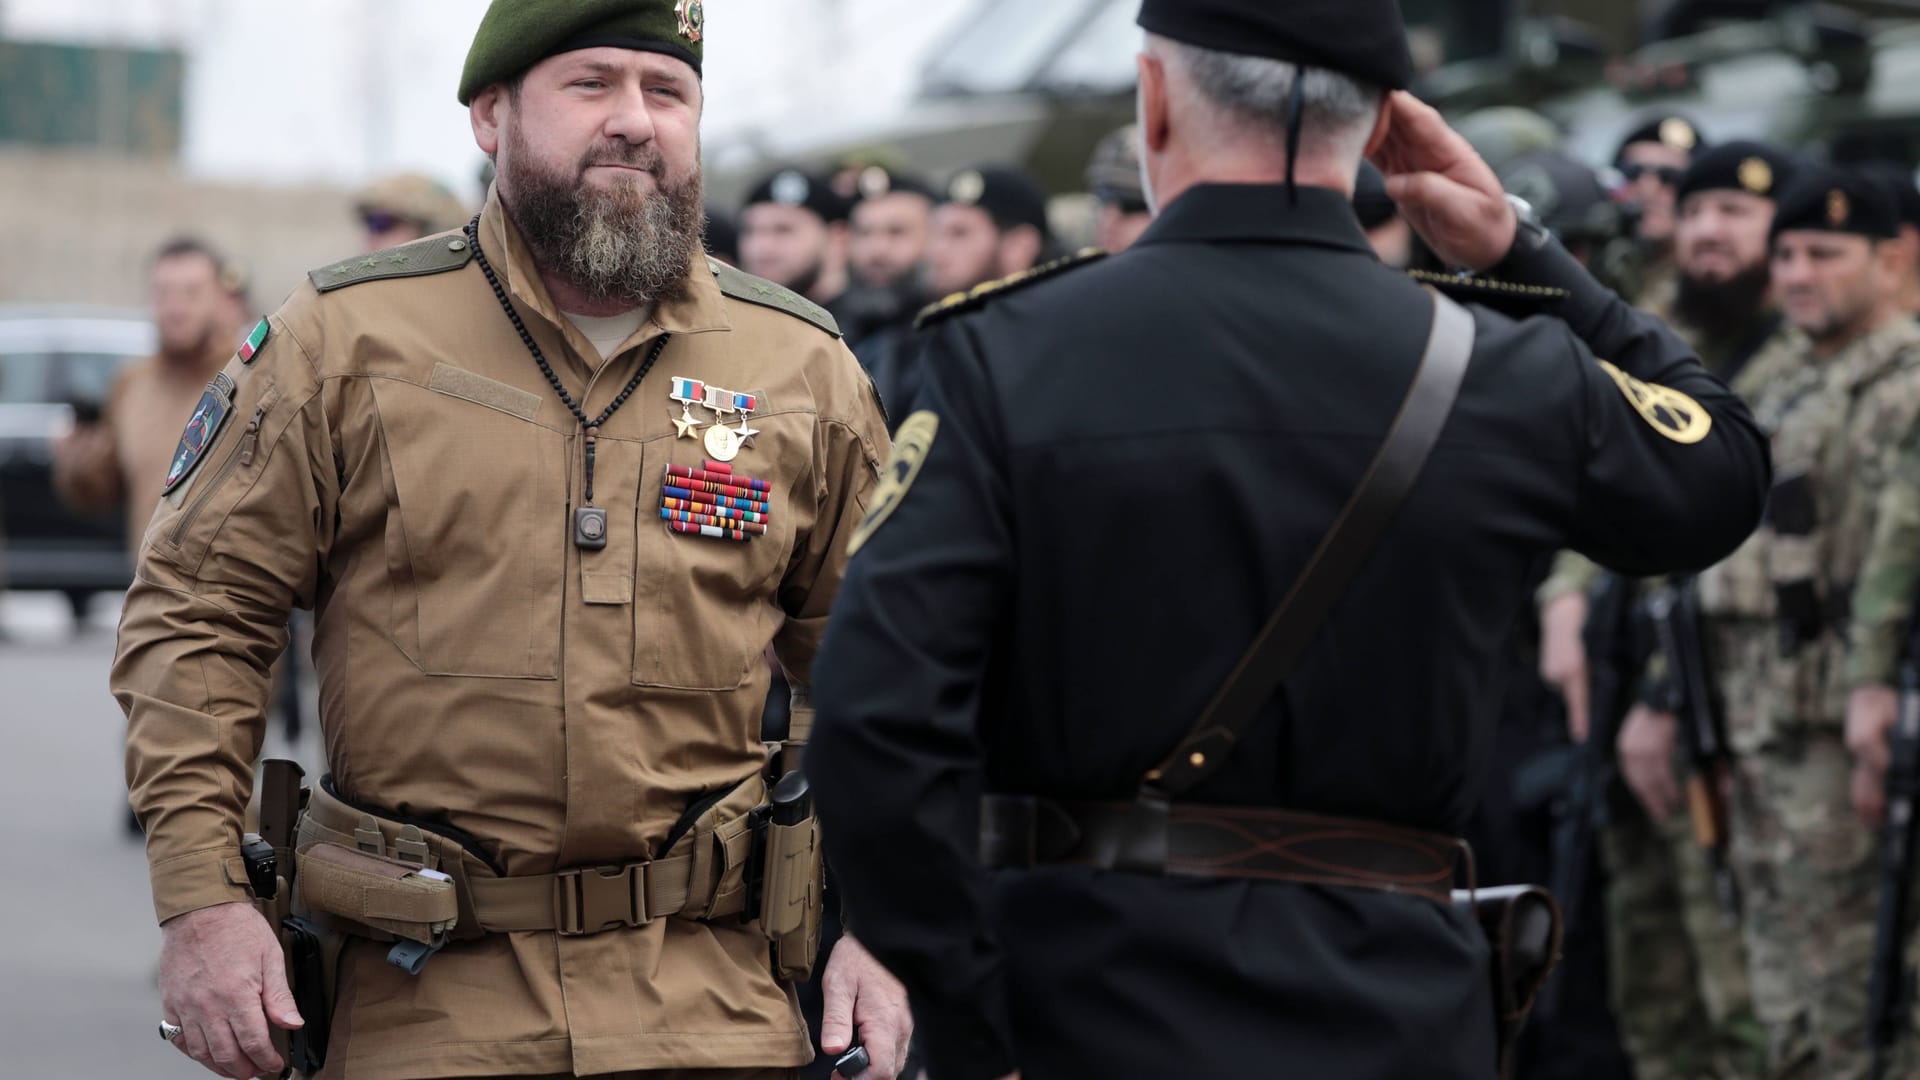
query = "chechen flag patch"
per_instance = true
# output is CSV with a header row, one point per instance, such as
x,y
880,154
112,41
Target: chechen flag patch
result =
x,y
251,347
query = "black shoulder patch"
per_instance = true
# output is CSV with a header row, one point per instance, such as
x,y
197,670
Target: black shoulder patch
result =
x,y
433,255
741,285
1507,297
975,298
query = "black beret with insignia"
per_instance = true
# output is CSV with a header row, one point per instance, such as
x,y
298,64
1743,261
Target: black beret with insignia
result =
x,y
515,35
1667,129
1753,167
1362,39
1008,195
797,187
1838,201
1900,181
875,181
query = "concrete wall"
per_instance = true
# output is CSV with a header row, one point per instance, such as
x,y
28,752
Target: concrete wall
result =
x,y
79,227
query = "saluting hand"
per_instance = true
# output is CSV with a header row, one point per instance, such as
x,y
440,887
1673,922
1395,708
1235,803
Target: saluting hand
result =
x,y
1445,191
857,992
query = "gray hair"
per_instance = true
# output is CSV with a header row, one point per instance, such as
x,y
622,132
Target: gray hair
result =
x,y
1253,92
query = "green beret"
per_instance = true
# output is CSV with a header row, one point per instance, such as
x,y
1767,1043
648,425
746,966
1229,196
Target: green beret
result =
x,y
517,34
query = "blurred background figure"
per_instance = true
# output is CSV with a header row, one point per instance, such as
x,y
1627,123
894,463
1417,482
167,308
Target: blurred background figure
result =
x,y
236,284
406,206
1900,182
1572,201
892,214
122,458
793,232
1113,176
1651,159
991,222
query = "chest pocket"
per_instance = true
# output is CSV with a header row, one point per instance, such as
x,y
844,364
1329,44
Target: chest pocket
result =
x,y
705,607
476,528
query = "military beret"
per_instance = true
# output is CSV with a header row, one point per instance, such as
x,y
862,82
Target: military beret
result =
x,y
1899,181
1826,199
515,35
1752,167
1667,129
1370,202
1113,173
874,181
1362,39
795,187
1008,195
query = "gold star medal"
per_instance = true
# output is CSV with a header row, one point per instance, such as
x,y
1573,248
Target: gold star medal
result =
x,y
687,392
693,18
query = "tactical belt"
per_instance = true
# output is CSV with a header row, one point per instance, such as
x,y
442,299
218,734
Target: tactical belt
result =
x,y
1219,842
585,900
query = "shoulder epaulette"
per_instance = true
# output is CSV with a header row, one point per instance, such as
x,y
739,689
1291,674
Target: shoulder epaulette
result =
x,y
975,298
433,255
1507,296
741,285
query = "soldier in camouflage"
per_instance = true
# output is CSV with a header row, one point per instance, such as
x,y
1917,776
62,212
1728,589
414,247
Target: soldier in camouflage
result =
x,y
1677,969
1804,622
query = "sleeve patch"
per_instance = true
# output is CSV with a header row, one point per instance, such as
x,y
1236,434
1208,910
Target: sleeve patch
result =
x,y
910,446
1670,412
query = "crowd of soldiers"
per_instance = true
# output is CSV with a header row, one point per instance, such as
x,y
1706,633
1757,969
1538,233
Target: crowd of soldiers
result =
x,y
874,244
1745,954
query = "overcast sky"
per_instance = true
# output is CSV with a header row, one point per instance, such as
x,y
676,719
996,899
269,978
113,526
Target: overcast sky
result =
x,y
342,90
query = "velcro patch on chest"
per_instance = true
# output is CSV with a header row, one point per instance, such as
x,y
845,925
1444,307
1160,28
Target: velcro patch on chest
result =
x,y
713,500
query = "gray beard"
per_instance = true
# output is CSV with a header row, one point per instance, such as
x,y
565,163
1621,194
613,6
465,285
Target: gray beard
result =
x,y
616,246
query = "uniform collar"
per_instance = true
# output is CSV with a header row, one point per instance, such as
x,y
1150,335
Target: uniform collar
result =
x,y
702,309
1258,213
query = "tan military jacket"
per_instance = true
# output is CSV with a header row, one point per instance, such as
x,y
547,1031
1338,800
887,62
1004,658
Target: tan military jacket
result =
x,y
396,460
150,403
1844,424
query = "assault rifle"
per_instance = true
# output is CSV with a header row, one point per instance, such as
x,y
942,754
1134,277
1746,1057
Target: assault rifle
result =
x,y
1890,986
1675,611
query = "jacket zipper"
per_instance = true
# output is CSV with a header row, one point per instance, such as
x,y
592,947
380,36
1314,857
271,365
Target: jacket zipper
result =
x,y
249,440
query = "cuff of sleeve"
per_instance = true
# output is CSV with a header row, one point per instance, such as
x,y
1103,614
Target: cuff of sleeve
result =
x,y
198,879
1572,573
1549,265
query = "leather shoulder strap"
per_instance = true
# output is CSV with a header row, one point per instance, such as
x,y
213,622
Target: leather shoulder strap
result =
x,y
1341,553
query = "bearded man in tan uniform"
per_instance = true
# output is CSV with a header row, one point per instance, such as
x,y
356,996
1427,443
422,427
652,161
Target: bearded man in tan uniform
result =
x,y
119,462
464,454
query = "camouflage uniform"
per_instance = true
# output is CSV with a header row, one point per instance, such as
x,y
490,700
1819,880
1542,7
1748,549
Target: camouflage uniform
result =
x,y
1677,968
1791,635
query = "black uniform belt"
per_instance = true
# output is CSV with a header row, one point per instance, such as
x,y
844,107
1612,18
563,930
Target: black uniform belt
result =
x,y
1270,844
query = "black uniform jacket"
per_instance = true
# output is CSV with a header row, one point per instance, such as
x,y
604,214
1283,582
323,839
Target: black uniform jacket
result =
x,y
1133,461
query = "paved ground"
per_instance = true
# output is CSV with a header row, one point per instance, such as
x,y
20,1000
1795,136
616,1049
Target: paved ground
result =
x,y
77,938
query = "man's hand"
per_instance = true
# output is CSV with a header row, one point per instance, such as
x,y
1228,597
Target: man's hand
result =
x,y
858,992
222,979
1871,713
1445,191
1563,657
1646,759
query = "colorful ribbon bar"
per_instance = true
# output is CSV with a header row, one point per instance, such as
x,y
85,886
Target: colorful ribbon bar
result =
x,y
715,466
689,391
697,507
715,477
708,530
708,519
686,489
720,401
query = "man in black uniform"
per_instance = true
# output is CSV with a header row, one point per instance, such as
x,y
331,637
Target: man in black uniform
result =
x,y
1123,467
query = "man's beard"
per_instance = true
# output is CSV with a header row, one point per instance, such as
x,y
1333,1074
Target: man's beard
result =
x,y
619,245
1722,309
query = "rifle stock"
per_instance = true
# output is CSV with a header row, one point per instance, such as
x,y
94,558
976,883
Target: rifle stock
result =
x,y
1891,982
